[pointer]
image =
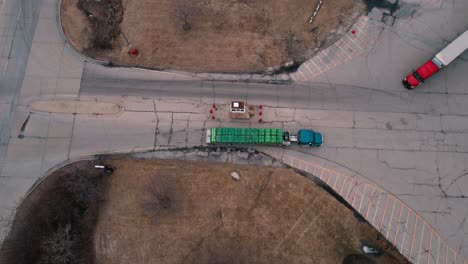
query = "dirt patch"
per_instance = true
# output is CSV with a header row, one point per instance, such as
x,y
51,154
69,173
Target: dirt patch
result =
x,y
206,35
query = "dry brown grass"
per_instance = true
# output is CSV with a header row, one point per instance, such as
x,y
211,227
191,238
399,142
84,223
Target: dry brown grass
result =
x,y
270,215
225,36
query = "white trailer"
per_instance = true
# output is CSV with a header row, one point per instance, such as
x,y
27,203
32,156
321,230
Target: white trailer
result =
x,y
452,51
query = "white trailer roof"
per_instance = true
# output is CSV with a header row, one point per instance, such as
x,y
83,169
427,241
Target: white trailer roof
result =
x,y
454,49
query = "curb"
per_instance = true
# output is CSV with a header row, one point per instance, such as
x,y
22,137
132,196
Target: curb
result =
x,y
283,78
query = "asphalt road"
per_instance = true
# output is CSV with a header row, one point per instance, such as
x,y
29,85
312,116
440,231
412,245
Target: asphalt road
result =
x,y
413,143
310,96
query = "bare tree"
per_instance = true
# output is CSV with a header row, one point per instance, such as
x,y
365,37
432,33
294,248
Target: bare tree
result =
x,y
54,223
58,247
104,18
158,195
185,11
82,186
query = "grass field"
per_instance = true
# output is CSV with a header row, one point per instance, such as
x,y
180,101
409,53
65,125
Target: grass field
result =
x,y
224,36
195,212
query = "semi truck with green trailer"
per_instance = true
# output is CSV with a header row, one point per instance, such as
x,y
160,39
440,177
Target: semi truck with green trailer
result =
x,y
261,136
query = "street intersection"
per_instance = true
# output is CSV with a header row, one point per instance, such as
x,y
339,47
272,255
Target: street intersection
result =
x,y
412,144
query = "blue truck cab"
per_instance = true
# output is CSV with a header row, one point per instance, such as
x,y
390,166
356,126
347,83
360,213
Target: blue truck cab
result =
x,y
309,137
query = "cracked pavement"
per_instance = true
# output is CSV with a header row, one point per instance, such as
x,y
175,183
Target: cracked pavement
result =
x,y
412,143
413,150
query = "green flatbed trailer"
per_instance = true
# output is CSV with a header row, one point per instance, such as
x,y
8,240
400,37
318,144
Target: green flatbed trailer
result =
x,y
250,136
261,136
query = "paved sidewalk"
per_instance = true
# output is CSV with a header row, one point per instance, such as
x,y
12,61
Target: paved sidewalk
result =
x,y
17,27
358,40
35,63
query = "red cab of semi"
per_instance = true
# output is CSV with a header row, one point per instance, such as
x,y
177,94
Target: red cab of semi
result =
x,y
422,73
440,60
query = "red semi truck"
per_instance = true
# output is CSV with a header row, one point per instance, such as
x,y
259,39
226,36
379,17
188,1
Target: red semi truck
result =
x,y
440,60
